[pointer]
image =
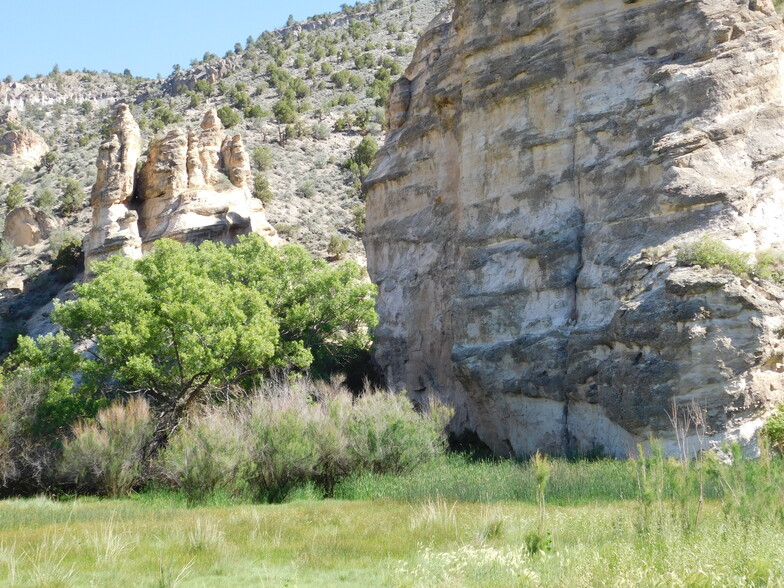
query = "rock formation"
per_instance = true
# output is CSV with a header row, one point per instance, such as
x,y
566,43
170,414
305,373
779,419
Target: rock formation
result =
x,y
26,226
210,72
24,145
545,161
114,227
191,188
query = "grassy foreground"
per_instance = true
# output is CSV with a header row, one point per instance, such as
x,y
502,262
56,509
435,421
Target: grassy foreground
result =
x,y
393,531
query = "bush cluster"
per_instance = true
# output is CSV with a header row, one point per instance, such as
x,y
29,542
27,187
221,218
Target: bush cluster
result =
x,y
289,435
709,252
258,447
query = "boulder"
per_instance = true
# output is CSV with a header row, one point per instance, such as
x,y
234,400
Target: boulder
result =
x,y
25,146
26,226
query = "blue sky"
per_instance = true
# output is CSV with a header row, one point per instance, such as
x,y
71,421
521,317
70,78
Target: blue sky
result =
x,y
146,36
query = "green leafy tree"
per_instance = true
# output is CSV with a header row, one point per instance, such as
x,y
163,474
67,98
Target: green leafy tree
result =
x,y
285,113
262,158
186,320
45,200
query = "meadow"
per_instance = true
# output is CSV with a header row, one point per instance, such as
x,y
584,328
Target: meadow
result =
x,y
451,522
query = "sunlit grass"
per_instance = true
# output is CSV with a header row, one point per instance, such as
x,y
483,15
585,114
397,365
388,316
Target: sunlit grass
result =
x,y
452,523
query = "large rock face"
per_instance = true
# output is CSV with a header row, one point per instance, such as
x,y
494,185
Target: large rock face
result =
x,y
191,188
544,162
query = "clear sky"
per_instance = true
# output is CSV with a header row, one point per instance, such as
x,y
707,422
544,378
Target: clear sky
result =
x,y
146,36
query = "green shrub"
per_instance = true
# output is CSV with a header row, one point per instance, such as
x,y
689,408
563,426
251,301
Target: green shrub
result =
x,y
195,100
337,247
321,131
15,197
774,430
69,256
255,111
358,215
283,453
240,100
50,362
292,434
365,151
203,87
7,252
286,230
166,115
387,435
26,454
106,455
261,189
347,99
710,252
306,189
228,116
770,265
73,196
356,82
341,78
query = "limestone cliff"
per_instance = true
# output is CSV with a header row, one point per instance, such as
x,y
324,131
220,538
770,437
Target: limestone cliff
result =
x,y
545,159
192,187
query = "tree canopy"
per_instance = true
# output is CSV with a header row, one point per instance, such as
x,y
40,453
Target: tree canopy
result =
x,y
187,319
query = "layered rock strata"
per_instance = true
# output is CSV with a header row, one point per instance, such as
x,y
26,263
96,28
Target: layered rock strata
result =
x,y
192,187
545,160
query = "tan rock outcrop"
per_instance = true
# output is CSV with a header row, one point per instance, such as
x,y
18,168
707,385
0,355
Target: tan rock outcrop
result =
x,y
114,224
11,117
182,191
236,162
25,146
545,161
26,226
165,173
210,143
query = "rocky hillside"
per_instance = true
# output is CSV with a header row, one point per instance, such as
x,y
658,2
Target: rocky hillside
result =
x,y
577,221
302,98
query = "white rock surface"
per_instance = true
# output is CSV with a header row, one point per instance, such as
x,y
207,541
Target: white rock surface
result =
x,y
544,161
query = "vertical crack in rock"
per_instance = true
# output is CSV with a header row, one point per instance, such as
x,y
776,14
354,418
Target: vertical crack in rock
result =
x,y
544,162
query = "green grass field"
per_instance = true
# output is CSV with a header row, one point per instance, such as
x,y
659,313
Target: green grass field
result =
x,y
451,523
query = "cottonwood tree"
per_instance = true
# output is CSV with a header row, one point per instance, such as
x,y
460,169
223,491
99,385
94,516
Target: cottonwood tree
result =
x,y
185,320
